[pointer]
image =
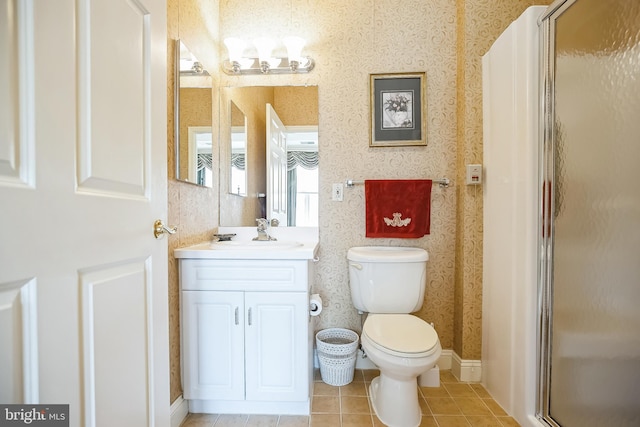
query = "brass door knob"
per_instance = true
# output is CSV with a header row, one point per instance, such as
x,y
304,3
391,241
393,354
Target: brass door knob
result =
x,y
159,229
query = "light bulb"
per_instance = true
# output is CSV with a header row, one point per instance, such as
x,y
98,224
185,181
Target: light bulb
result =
x,y
294,48
264,46
236,48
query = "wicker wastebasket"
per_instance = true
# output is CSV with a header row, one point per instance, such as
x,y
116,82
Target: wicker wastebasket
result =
x,y
337,351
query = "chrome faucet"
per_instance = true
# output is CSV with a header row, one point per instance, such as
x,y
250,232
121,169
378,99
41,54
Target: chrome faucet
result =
x,y
263,230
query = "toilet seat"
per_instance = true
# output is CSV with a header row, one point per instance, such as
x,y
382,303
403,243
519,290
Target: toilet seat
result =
x,y
402,335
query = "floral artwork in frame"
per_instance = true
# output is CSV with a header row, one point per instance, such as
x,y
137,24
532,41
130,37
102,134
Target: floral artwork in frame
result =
x,y
397,109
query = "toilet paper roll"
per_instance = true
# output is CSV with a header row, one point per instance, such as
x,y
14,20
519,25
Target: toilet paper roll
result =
x,y
315,305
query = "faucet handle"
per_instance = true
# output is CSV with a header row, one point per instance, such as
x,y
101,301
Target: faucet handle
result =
x,y
275,222
262,223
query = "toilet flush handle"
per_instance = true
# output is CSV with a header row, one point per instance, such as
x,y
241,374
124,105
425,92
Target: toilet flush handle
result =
x,y
356,266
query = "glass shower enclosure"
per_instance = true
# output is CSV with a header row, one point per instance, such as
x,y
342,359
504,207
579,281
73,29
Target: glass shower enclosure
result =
x,y
590,269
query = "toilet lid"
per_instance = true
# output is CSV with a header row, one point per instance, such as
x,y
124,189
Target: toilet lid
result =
x,y
401,333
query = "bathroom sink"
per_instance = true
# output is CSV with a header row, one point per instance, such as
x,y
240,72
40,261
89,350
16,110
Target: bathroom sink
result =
x,y
293,243
256,245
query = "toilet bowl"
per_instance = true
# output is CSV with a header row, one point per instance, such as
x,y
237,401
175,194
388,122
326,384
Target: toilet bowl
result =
x,y
388,283
403,347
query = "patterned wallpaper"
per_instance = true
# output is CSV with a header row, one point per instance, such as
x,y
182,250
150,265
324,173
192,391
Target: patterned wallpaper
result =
x,y
480,22
193,209
350,40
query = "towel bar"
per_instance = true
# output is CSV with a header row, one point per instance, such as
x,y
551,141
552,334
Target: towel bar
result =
x,y
442,182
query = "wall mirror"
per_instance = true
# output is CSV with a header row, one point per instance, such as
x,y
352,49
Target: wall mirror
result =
x,y
281,155
237,161
193,119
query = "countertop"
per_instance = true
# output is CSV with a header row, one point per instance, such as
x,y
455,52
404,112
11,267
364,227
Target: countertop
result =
x,y
305,236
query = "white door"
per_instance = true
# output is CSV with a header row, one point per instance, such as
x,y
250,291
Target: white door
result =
x,y
276,167
277,366
83,281
213,345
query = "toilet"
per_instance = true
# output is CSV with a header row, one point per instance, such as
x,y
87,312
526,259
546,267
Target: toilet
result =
x,y
388,283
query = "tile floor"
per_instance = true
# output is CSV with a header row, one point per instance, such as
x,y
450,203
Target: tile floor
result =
x,y
453,404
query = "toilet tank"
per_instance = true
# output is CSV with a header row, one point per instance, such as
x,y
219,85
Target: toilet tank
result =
x,y
387,279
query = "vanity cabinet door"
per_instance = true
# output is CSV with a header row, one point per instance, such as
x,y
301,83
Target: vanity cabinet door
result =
x,y
213,345
276,334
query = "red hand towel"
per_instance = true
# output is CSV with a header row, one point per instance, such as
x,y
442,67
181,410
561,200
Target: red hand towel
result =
x,y
398,208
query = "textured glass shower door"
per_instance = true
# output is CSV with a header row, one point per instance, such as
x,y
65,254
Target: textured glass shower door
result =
x,y
592,279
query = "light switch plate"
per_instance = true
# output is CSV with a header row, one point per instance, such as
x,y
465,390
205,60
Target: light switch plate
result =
x,y
337,192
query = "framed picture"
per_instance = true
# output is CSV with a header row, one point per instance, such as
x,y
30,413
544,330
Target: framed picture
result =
x,y
398,103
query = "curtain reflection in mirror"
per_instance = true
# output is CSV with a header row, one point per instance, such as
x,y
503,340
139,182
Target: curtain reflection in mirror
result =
x,y
302,187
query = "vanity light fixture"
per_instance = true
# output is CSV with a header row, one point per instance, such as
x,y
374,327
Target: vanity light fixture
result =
x,y
236,48
189,65
265,63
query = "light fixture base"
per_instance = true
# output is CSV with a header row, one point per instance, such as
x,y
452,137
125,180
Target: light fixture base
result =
x,y
303,66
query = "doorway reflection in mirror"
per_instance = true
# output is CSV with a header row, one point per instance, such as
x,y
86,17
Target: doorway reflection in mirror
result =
x,y
281,157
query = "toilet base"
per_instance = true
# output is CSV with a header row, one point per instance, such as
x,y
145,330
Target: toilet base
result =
x,y
395,402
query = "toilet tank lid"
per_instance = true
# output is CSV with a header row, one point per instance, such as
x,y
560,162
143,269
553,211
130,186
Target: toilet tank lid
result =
x,y
387,254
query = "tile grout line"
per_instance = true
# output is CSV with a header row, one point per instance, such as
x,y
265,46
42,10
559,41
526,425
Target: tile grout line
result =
x,y
340,403
504,419
477,395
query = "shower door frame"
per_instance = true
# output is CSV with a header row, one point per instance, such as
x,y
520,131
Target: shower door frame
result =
x,y
548,172
547,206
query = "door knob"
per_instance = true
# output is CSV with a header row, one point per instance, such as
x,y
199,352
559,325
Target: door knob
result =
x,y
159,229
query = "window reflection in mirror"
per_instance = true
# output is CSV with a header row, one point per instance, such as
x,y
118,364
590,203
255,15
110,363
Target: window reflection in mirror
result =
x,y
296,204
302,176
193,121
238,177
200,167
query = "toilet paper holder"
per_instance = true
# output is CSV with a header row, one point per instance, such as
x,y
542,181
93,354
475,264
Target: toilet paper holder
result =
x,y
315,305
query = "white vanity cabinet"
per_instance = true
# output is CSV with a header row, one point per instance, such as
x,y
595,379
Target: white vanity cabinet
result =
x,y
246,336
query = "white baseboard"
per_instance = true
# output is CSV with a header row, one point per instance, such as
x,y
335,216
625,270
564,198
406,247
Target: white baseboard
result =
x,y
466,370
179,411
302,407
444,363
